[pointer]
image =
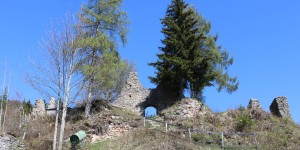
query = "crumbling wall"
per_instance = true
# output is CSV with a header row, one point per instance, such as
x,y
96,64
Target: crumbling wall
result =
x,y
39,109
132,94
254,104
136,98
280,107
51,107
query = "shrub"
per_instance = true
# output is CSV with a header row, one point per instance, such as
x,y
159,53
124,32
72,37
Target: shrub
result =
x,y
244,123
205,137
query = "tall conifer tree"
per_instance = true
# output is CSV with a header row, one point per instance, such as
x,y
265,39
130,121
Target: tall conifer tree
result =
x,y
103,23
190,57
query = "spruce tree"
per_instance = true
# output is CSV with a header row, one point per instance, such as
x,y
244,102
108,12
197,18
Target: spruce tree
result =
x,y
180,36
190,58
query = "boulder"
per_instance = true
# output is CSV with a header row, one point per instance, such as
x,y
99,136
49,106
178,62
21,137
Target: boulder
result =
x,y
280,107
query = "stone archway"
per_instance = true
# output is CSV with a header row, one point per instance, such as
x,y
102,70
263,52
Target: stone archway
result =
x,y
150,111
136,98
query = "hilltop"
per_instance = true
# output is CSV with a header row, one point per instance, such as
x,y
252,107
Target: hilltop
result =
x,y
111,127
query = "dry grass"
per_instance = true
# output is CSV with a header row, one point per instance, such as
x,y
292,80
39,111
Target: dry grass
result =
x,y
145,139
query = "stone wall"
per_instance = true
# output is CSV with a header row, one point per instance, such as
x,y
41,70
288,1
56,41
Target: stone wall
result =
x,y
136,98
132,94
280,107
254,104
51,106
39,109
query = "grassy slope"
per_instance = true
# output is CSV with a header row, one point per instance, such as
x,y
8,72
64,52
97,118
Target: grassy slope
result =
x,y
273,133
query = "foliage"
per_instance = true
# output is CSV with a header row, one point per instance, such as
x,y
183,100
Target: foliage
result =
x,y
244,122
3,99
27,107
190,57
199,137
103,24
110,76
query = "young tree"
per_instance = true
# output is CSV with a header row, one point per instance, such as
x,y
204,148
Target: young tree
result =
x,y
57,76
110,76
190,57
103,23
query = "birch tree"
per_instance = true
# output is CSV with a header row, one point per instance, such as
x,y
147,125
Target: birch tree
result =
x,y
57,75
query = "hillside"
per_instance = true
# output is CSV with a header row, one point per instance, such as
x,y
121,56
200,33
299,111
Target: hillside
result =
x,y
114,128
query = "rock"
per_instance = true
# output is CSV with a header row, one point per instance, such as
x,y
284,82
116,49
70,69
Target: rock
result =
x,y
8,142
280,107
254,104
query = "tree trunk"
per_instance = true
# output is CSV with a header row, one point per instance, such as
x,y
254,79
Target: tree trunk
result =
x,y
56,124
4,116
62,126
88,104
1,112
65,106
181,89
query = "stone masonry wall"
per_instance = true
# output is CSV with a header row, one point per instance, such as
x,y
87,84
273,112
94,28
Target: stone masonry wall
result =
x,y
280,107
132,94
39,109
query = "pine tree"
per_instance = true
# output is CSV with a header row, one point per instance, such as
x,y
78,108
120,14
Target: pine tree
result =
x,y
190,57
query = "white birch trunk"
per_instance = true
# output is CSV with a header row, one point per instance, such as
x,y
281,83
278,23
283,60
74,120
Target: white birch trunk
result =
x,y
56,125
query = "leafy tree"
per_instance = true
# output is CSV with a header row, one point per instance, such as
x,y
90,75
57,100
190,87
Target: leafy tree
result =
x,y
110,76
103,24
190,57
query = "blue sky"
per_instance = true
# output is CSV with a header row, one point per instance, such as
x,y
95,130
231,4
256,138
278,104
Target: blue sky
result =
x,y
262,36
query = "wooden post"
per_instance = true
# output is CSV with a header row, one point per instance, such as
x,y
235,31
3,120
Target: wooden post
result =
x,y
144,122
24,136
166,127
190,135
223,140
256,144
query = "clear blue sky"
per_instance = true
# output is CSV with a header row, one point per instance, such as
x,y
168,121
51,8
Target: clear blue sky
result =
x,y
262,36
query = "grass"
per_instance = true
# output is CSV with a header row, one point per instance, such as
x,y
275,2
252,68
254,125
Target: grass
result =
x,y
99,146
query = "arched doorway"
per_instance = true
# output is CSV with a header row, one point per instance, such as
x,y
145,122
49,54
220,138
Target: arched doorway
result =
x,y
150,111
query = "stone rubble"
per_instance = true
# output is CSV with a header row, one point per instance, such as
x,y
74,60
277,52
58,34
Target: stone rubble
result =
x,y
8,142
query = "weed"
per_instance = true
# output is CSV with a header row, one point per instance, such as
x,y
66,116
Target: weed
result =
x,y
244,123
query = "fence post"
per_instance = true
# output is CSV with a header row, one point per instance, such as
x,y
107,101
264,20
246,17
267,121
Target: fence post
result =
x,y
144,122
190,135
256,144
223,140
166,127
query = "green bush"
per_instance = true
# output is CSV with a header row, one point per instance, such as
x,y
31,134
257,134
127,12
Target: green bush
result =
x,y
244,123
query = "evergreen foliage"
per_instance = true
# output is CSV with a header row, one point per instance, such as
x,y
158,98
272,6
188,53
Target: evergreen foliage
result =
x,y
190,58
4,98
27,107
